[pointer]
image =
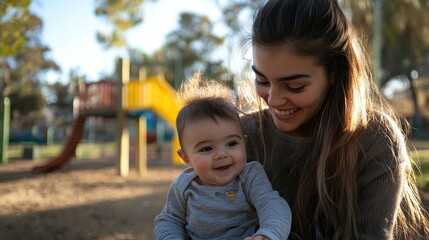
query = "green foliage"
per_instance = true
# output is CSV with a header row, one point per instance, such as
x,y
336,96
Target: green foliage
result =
x,y
26,99
22,56
404,40
122,15
15,20
233,10
405,33
60,98
30,62
24,70
422,169
22,60
189,48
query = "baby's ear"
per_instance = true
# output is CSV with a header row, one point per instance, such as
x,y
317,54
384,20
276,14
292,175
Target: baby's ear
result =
x,y
182,154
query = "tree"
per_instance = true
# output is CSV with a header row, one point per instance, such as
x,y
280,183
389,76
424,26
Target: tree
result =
x,y
405,37
189,48
26,101
237,16
15,20
25,70
60,97
237,13
122,15
22,57
405,33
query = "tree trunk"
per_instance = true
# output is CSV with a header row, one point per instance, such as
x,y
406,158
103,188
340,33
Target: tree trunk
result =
x,y
417,118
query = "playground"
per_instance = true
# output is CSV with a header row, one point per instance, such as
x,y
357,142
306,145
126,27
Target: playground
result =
x,y
115,196
85,199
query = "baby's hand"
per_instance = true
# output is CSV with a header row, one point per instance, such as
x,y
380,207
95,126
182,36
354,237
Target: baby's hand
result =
x,y
258,237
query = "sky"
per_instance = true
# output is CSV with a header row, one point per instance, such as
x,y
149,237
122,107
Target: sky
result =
x,y
70,26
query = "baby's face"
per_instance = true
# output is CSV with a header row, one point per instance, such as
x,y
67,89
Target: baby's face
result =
x,y
216,150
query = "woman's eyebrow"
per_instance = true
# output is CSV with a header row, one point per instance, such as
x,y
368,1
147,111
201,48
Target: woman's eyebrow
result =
x,y
257,71
286,78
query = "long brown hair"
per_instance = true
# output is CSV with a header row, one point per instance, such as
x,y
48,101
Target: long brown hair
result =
x,y
319,28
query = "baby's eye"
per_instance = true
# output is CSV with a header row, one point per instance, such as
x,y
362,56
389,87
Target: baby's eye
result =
x,y
205,149
232,144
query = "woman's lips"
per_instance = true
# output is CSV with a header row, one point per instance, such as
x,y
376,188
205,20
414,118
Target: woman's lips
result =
x,y
286,112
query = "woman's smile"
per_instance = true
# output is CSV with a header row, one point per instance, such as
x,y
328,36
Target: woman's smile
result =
x,y
286,112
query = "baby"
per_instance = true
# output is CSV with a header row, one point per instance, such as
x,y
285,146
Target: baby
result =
x,y
220,195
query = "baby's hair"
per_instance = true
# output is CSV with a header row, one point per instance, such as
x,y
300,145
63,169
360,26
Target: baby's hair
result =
x,y
204,98
198,87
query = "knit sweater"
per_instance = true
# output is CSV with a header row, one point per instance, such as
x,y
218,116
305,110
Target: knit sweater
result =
x,y
244,207
380,171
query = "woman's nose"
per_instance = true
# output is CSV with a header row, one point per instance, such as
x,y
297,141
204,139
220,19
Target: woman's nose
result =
x,y
275,97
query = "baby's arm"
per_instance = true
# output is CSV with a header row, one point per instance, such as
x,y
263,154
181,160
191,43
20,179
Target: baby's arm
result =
x,y
257,237
274,214
170,223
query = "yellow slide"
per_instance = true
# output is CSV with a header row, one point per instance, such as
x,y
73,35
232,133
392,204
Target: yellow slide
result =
x,y
157,95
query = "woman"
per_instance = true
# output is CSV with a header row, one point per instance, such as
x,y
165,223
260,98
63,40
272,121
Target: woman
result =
x,y
329,141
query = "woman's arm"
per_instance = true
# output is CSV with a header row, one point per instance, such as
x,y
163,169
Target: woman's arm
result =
x,y
380,180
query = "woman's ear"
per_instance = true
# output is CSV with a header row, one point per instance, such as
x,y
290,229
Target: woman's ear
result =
x,y
182,154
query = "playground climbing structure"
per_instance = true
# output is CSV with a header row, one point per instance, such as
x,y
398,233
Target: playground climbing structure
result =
x,y
119,99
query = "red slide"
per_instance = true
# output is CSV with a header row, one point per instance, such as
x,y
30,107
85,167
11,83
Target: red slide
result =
x,y
69,149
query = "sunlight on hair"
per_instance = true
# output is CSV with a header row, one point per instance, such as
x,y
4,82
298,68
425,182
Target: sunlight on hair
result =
x,y
243,96
198,87
248,100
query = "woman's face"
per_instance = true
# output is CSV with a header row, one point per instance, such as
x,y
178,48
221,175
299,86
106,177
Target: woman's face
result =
x,y
293,86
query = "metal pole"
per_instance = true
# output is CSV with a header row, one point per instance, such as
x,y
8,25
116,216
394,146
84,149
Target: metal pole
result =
x,y
50,136
142,145
376,41
123,142
4,129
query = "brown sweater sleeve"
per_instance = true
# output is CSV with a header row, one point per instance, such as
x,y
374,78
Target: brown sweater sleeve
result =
x,y
380,179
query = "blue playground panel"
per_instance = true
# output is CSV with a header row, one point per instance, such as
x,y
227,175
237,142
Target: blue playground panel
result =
x,y
153,121
29,136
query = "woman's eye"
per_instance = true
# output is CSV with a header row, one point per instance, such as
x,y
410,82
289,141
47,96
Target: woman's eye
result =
x,y
295,89
261,82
